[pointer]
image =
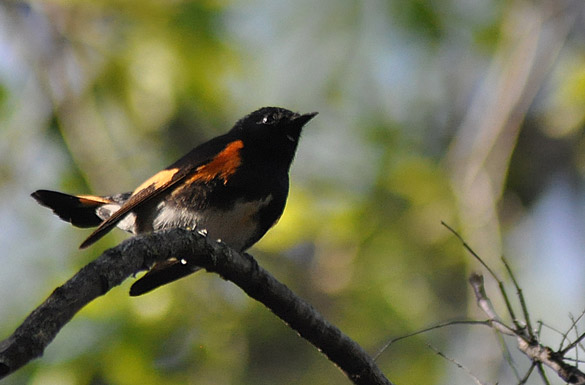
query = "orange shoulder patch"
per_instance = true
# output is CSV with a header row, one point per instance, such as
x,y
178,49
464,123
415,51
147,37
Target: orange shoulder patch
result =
x,y
223,165
157,180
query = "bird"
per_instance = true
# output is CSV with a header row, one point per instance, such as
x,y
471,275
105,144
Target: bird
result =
x,y
233,187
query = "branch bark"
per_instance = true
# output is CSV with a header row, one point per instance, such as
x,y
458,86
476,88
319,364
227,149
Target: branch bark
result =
x,y
110,269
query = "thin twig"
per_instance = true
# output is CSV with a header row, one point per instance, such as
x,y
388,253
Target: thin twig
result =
x,y
577,341
576,361
471,251
542,373
459,365
573,344
508,356
520,298
528,374
439,326
552,328
492,273
575,327
539,329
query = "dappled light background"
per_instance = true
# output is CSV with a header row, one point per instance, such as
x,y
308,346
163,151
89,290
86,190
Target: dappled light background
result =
x,y
468,112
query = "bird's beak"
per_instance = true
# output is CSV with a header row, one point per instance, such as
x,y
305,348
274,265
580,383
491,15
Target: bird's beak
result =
x,y
304,119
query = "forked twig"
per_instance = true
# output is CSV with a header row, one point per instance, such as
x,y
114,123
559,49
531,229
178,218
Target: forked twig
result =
x,y
526,339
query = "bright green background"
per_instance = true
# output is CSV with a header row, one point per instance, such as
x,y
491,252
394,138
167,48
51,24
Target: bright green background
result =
x,y
468,112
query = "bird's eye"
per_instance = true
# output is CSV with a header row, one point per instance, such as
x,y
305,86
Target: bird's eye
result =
x,y
267,119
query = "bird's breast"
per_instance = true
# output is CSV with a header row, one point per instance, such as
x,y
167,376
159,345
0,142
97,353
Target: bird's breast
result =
x,y
238,226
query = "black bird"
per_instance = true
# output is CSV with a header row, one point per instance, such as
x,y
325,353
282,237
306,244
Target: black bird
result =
x,y
233,187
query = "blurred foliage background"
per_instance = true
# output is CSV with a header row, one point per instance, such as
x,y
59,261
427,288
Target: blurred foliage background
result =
x,y
464,111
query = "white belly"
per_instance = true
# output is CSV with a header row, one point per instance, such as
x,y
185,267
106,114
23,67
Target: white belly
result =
x,y
234,227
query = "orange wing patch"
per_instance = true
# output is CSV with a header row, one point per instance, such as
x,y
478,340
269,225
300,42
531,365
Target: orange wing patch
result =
x,y
223,165
157,180
147,190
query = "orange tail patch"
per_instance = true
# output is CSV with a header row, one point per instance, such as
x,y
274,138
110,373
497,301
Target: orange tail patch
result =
x,y
79,210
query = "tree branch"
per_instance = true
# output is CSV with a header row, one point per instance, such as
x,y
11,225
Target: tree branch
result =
x,y
536,352
133,255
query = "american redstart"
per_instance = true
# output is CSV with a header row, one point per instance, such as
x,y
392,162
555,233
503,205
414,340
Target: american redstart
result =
x,y
233,187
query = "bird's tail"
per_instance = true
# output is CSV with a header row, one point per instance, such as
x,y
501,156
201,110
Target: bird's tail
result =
x,y
80,210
